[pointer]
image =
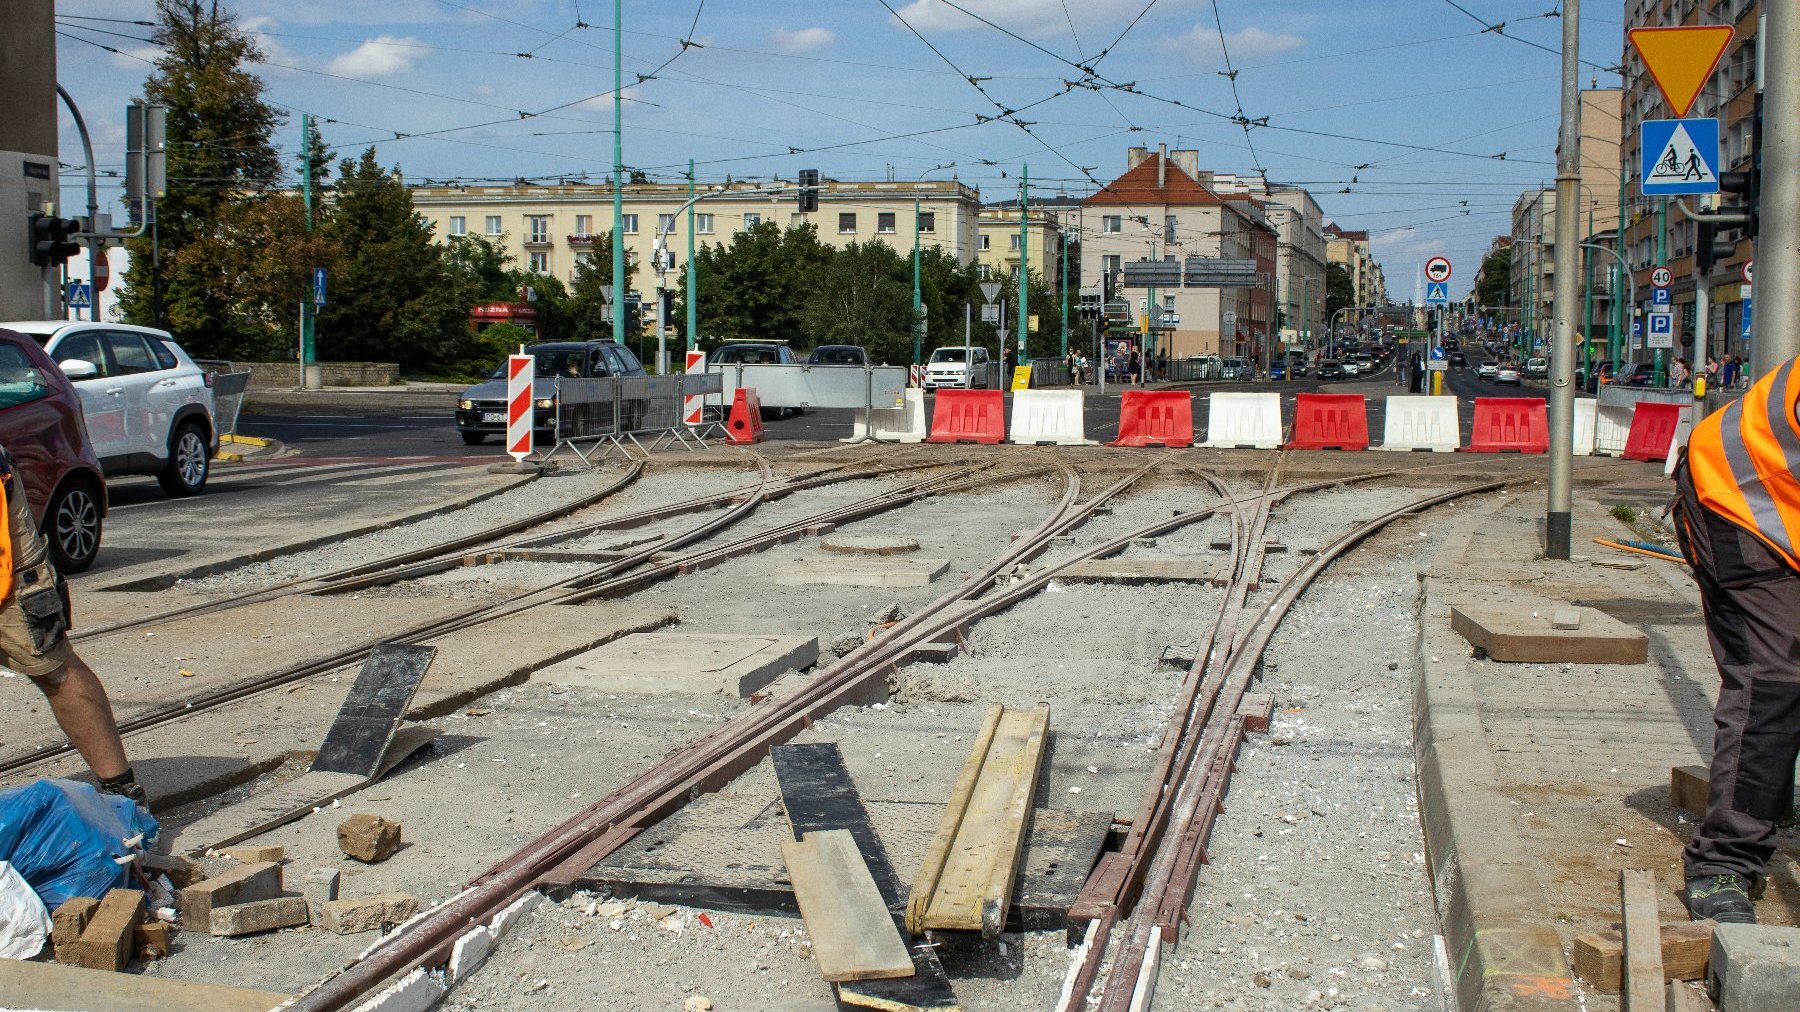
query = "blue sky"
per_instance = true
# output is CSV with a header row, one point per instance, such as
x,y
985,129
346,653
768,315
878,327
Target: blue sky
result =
x,y
842,81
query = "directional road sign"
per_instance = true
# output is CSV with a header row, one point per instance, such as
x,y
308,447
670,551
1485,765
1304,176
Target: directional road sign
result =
x,y
1662,277
1660,297
1681,58
318,286
1662,331
1679,156
1746,334
80,295
1437,293
1437,269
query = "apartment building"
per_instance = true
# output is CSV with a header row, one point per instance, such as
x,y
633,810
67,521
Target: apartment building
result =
x,y
1161,208
1349,249
1657,233
1532,286
549,229
1300,250
997,242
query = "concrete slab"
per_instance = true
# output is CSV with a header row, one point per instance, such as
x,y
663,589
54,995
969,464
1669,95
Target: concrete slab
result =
x,y
1145,571
686,663
861,572
1523,628
868,544
1754,967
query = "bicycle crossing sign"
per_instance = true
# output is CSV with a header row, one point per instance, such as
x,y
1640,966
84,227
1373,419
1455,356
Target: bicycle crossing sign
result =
x,y
1680,156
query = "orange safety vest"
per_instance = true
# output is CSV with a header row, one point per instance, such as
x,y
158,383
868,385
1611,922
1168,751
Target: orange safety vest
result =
x,y
6,544
1745,462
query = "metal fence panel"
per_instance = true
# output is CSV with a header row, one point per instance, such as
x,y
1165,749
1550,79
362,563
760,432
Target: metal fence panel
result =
x,y
586,408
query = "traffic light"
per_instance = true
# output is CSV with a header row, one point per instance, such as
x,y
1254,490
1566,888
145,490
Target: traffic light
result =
x,y
52,239
809,190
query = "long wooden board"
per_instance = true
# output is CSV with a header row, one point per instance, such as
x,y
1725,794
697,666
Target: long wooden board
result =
x,y
853,936
1643,983
966,881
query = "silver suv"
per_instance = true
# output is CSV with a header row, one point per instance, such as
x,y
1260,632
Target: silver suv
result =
x,y
149,408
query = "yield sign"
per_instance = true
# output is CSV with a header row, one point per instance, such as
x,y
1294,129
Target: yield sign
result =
x,y
1681,58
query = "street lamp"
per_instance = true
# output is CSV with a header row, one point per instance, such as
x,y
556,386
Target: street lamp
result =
x,y
918,307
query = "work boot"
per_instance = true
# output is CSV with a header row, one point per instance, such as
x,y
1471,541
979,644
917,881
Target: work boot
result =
x,y
1722,898
125,785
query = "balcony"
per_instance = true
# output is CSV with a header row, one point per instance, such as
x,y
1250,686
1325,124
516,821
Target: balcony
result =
x,y
581,239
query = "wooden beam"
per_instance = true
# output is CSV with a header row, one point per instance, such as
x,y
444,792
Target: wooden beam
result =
x,y
955,810
1643,967
853,936
27,984
1686,949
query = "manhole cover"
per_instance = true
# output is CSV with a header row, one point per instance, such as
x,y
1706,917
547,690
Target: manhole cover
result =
x,y
872,544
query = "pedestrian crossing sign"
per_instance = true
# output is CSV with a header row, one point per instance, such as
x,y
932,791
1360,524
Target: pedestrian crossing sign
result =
x,y
1679,156
1437,293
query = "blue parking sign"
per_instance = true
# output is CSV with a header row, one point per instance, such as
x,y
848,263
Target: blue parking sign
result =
x,y
1659,297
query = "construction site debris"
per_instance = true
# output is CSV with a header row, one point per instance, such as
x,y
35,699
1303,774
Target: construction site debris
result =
x,y
1599,955
252,882
368,838
106,940
367,913
258,916
854,937
255,854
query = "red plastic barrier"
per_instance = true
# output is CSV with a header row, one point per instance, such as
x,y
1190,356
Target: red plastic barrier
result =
x,y
1155,418
745,424
1652,429
1330,422
968,416
1510,425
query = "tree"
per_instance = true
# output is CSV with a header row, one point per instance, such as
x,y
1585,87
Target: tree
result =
x,y
589,317
863,296
758,286
1493,283
484,267
1340,290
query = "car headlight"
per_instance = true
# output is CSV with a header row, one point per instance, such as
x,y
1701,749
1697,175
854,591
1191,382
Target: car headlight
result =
x,y
546,403
465,405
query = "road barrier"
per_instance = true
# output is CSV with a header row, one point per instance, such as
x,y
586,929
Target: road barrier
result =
x,y
1422,423
745,425
1330,422
1510,425
1048,416
1616,404
1244,421
1155,418
905,424
1586,417
1652,432
817,386
968,416
627,414
1684,427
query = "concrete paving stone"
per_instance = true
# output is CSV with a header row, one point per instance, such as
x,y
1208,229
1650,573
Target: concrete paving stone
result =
x,y
853,572
1755,967
253,853
319,888
106,943
259,916
68,922
704,663
1524,630
247,884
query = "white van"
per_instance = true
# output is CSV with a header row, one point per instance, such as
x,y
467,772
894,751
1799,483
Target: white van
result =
x,y
957,369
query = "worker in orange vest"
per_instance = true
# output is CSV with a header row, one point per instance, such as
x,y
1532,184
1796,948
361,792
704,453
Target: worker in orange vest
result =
x,y
1738,496
34,625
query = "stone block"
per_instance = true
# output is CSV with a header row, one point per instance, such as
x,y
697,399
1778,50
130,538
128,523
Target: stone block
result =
x,y
107,941
1754,967
368,838
257,916
246,884
181,871
319,888
1520,629
689,663
253,854
861,572
349,916
153,940
69,921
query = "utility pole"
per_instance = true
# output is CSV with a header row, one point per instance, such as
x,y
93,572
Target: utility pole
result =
x,y
618,229
1621,312
1587,301
1773,339
1662,260
690,297
1024,311
308,347
1062,247
1558,519
918,307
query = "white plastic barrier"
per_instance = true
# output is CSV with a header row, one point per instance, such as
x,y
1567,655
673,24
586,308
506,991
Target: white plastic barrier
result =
x,y
1047,416
1612,427
1684,427
1419,422
904,424
1243,421
1586,419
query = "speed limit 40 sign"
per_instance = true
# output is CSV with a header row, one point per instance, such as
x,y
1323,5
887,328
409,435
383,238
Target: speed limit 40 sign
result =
x,y
1661,277
1437,269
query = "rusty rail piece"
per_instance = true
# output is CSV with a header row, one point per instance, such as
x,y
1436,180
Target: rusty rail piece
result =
x,y
1185,807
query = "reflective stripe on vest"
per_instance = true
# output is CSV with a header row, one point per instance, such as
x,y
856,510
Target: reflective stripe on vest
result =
x,y
6,542
1745,462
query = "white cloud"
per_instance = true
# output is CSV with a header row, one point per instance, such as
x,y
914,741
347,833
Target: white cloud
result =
x,y
800,40
277,55
381,56
1041,19
1200,44
483,90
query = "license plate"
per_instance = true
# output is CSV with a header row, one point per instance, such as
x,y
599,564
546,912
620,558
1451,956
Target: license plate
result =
x,y
493,417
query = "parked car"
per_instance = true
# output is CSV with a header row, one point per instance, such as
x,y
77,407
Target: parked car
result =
x,y
838,354
1488,369
481,411
1331,369
957,369
1641,375
149,408
754,353
1537,367
1507,374
41,426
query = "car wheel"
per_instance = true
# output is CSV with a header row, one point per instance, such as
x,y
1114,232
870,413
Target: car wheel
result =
x,y
73,520
189,462
473,438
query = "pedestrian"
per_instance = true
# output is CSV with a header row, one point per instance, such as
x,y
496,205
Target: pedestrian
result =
x,y
1081,370
1678,373
34,626
1006,363
1738,521
1162,364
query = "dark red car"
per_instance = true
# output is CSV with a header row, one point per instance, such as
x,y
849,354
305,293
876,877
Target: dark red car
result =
x,y
42,427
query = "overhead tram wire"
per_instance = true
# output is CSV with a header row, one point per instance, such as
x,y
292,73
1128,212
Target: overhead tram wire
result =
x,y
1499,28
1231,75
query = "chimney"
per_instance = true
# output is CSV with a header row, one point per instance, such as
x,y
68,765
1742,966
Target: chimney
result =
x,y
1162,165
1135,157
1187,160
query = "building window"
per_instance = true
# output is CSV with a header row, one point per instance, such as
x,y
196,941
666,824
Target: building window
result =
x,y
1012,241
884,222
1111,224
493,224
847,224
584,224
703,224
459,225
751,221
539,262
665,223
984,242
628,224
583,258
928,221
1109,265
537,228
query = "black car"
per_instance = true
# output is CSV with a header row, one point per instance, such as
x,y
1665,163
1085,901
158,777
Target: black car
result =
x,y
1458,360
838,354
1331,369
754,353
481,410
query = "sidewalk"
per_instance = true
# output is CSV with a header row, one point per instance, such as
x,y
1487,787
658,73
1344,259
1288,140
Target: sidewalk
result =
x,y
1539,782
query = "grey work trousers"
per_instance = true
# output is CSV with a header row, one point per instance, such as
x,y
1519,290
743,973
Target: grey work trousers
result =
x,y
1751,599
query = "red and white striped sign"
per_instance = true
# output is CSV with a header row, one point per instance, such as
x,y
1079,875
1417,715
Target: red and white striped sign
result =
x,y
519,417
690,405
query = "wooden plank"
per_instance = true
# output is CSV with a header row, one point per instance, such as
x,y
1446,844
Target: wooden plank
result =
x,y
818,794
1686,949
853,936
938,853
1642,984
27,984
1687,788
974,889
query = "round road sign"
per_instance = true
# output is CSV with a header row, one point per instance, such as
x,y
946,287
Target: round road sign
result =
x,y
1437,269
1747,265
1661,278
